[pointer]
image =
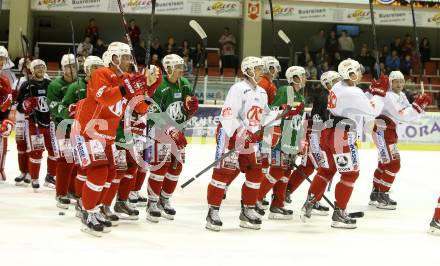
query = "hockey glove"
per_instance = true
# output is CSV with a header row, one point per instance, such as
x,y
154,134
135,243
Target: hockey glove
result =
x,y
29,104
380,87
6,127
246,137
421,102
154,78
6,102
191,104
177,136
133,86
293,110
72,110
265,163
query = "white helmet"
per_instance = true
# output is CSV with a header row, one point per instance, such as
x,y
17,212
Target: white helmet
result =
x,y
90,61
68,59
395,75
348,66
295,71
172,60
115,48
37,62
251,62
270,61
329,77
4,53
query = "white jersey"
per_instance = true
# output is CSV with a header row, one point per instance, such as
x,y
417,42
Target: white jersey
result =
x,y
351,102
398,108
245,106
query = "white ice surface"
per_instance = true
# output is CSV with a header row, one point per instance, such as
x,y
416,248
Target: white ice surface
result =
x,y
32,232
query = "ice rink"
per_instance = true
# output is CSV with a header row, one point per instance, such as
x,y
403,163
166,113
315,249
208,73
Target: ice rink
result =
x,y
32,232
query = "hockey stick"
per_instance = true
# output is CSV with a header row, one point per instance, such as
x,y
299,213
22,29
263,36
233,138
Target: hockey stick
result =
x,y
197,28
75,55
127,35
274,43
376,51
27,56
150,33
287,41
416,37
230,152
351,214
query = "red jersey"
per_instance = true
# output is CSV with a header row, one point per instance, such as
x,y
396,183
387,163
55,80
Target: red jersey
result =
x,y
98,114
269,87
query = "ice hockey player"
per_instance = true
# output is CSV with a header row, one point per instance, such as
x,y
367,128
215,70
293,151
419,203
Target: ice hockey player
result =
x,y
312,157
434,226
32,101
285,149
338,140
22,154
72,95
397,110
175,100
96,120
240,128
6,125
59,112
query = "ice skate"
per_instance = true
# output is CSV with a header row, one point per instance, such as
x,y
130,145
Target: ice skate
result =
x,y
374,197
320,210
78,209
107,224
265,204
167,211
62,202
288,198
307,209
434,227
90,224
213,221
249,219
384,201
125,212
109,215
340,219
72,197
49,181
23,180
35,185
133,199
153,212
280,213
142,201
259,209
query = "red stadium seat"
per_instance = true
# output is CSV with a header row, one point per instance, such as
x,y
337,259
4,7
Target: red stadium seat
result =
x,y
53,66
213,59
430,68
214,71
228,72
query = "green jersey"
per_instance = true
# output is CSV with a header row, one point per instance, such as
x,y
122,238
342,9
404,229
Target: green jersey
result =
x,y
169,98
293,128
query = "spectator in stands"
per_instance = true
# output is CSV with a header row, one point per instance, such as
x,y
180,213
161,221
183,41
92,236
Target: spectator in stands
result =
x,y
406,65
188,68
227,49
311,70
397,45
319,57
92,31
305,56
324,68
336,60
134,31
99,48
140,52
425,50
155,60
383,69
170,47
197,54
317,42
156,48
366,59
393,61
407,45
346,45
184,50
332,44
384,53
86,47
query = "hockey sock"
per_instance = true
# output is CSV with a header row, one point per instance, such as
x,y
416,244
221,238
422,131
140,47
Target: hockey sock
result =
x,y
72,186
140,178
251,187
319,184
154,186
127,184
51,163
169,185
23,161
269,181
437,210
108,188
279,192
93,186
217,186
344,188
299,175
377,180
34,164
63,174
